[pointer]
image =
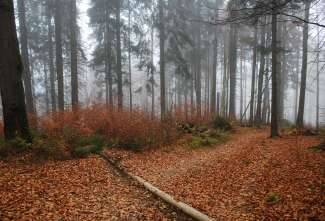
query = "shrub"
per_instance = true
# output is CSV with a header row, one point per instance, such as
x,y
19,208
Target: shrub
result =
x,y
272,198
221,123
14,146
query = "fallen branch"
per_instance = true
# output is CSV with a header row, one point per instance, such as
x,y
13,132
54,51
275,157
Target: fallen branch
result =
x,y
192,212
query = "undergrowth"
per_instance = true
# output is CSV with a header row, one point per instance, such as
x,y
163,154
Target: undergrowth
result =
x,y
79,133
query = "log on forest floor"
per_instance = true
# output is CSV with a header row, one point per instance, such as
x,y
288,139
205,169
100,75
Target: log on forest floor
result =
x,y
192,212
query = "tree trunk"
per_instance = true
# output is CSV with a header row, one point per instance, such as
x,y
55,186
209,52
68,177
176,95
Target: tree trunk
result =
x,y
129,56
74,54
25,57
317,80
162,59
108,63
58,51
300,118
119,56
258,118
51,56
11,85
233,69
214,70
274,111
252,99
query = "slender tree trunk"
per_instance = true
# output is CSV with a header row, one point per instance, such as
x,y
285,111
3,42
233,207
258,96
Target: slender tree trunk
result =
x,y
300,118
11,85
74,55
108,62
162,59
46,79
266,98
224,80
51,57
274,111
58,50
252,99
258,118
119,56
317,80
25,57
241,86
233,70
152,74
214,70
129,55
297,84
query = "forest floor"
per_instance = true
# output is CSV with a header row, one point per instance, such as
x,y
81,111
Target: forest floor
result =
x,y
77,190
250,177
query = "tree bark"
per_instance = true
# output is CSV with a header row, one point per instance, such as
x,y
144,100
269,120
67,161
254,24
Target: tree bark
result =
x,y
74,54
274,109
162,59
58,51
25,57
252,99
119,56
233,69
300,118
11,85
258,117
214,69
129,56
51,56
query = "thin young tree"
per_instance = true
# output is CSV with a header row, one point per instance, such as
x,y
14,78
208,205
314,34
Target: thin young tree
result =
x,y
274,108
58,52
162,58
119,56
301,109
74,54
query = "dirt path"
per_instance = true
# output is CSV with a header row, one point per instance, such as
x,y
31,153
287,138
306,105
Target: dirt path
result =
x,y
75,190
234,181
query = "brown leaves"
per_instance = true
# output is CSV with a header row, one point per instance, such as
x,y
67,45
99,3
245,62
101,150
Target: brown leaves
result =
x,y
73,190
234,181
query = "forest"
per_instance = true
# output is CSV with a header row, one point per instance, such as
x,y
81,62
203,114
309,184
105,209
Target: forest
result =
x,y
162,110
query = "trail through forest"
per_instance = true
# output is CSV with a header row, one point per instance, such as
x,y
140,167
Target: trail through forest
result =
x,y
86,189
251,177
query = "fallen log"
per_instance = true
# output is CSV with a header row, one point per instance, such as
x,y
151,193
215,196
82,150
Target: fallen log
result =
x,y
192,212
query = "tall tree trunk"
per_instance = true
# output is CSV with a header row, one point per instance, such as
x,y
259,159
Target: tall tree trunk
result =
x,y
58,50
214,69
25,57
152,72
241,86
129,55
297,83
11,85
224,80
274,111
266,98
108,62
258,118
119,56
51,56
317,80
252,99
162,59
233,69
300,118
74,54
